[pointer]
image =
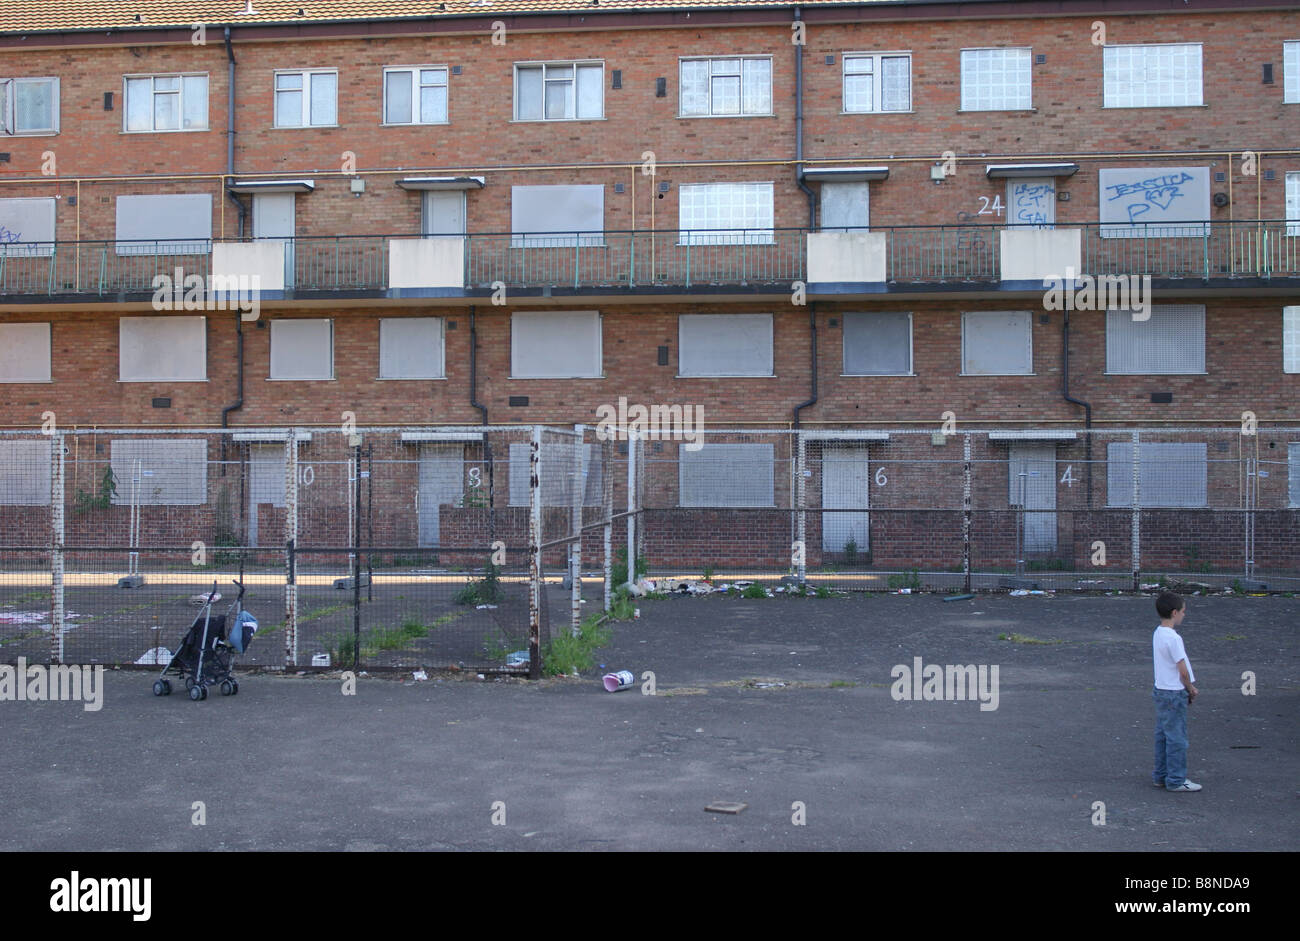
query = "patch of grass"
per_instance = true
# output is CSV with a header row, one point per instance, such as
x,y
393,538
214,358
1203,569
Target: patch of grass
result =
x,y
315,613
623,608
1047,565
842,684
568,652
1237,587
100,500
910,579
619,569
1193,561
754,591
656,595
823,591
1025,639
1233,637
708,572
493,648
485,590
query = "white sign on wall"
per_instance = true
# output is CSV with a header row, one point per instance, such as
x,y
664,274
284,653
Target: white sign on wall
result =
x,y
1144,199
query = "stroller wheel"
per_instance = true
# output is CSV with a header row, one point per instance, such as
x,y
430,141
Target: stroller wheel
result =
x,y
234,687
162,688
227,688
189,682
197,693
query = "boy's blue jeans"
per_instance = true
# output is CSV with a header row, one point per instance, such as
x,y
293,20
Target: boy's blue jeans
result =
x,y
1171,737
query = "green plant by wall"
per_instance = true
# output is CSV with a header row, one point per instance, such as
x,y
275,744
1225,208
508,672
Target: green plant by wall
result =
x,y
850,551
101,500
567,652
910,579
485,590
619,568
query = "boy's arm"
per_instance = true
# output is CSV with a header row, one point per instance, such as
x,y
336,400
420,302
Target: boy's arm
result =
x,y
1187,681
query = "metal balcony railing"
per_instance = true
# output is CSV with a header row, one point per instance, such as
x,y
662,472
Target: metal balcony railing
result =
x,y
664,258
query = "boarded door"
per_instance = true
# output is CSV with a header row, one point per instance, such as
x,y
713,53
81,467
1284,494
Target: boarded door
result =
x,y
441,467
1033,486
273,218
846,486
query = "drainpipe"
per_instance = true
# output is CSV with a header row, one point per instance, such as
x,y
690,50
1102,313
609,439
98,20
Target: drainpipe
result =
x,y
230,131
239,320
1087,406
812,338
483,412
798,130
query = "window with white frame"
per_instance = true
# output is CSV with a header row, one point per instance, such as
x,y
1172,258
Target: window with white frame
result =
x,y
559,91
555,344
1152,76
725,214
411,348
24,352
877,343
996,79
1293,203
726,87
29,106
1171,342
725,475
1169,474
302,349
162,349
1291,339
307,98
416,95
166,102
878,81
159,472
25,471
996,343
569,472
724,345
1291,72
1293,465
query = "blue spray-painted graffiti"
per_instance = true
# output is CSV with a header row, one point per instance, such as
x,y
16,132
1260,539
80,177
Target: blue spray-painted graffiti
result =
x,y
1143,195
9,237
1030,203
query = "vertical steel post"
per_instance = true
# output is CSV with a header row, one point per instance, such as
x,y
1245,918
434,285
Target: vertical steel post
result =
x,y
578,494
535,554
356,557
631,504
801,505
57,466
290,542
607,502
965,512
1136,535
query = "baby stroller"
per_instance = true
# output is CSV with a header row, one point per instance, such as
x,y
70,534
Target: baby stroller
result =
x,y
205,654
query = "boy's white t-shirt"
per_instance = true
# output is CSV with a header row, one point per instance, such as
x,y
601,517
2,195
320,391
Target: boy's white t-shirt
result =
x,y
1166,651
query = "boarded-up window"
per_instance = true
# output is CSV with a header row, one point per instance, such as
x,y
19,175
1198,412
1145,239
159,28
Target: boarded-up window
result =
x,y
27,226
845,206
1291,339
567,471
877,344
1293,463
1170,342
25,472
724,344
1139,199
410,348
160,472
996,343
1169,474
302,349
722,475
563,344
178,224
555,215
162,349
25,352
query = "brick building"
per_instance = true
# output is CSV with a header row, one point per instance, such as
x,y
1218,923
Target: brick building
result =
x,y
835,217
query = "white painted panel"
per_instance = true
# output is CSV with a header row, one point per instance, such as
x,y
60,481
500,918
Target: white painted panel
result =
x,y
162,349
1037,254
846,256
25,352
433,262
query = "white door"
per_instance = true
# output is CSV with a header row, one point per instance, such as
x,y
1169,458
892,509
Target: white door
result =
x,y
273,218
1032,202
265,482
1033,486
846,486
441,481
845,205
442,213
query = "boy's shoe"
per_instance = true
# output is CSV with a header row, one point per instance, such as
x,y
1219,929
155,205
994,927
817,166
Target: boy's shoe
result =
x,y
1186,786
1160,783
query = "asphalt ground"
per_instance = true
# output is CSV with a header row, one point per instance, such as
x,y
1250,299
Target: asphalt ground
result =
x,y
782,704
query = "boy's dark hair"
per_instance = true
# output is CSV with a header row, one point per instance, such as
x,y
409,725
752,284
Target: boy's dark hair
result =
x,y
1167,602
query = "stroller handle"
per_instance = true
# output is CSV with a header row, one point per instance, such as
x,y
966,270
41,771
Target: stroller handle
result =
x,y
240,585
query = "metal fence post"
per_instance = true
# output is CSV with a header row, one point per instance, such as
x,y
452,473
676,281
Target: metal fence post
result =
x,y
1137,518
290,541
535,554
57,466
631,505
965,512
801,497
575,518
607,502
356,555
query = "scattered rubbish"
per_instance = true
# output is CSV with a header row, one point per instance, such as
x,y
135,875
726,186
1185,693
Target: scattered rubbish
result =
x,y
486,607
726,807
771,685
959,598
419,675
517,659
1021,592
723,587
201,599
320,659
1149,586
636,612
908,591
617,681
742,584
155,657
482,677
131,581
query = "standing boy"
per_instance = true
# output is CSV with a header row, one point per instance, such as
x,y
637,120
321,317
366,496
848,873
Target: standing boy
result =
x,y
1174,692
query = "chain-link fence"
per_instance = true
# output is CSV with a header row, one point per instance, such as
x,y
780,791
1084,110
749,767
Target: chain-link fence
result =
x,y
378,548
